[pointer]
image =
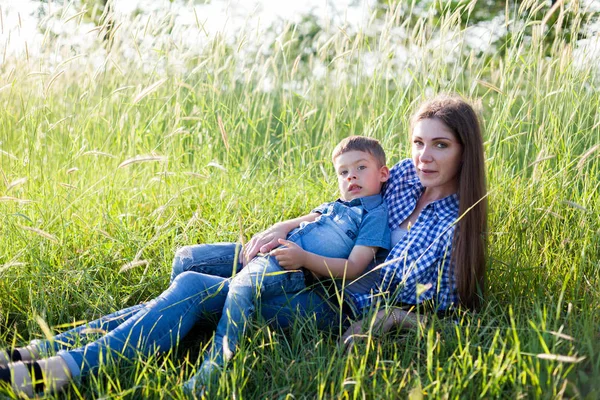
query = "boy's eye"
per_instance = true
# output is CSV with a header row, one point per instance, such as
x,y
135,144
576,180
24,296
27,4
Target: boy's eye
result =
x,y
362,167
343,172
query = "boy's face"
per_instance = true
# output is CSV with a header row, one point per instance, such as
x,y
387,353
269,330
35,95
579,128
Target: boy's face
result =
x,y
359,175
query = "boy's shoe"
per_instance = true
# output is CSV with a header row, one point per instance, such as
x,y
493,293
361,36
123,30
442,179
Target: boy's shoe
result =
x,y
195,388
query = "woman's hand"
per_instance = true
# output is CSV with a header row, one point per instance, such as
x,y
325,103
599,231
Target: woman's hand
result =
x,y
265,241
352,333
361,328
290,255
384,321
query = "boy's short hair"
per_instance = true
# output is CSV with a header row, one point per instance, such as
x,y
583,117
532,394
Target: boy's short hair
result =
x,y
360,143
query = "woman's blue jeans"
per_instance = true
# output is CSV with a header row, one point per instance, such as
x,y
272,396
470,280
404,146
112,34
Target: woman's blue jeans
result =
x,y
199,286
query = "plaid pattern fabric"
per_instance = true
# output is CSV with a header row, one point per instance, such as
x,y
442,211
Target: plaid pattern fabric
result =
x,y
418,267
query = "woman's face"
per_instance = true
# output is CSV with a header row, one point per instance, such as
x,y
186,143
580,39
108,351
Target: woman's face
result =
x,y
437,155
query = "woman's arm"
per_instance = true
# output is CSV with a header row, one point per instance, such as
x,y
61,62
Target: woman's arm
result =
x,y
267,240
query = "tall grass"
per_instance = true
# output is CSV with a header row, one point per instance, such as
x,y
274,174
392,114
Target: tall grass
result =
x,y
225,159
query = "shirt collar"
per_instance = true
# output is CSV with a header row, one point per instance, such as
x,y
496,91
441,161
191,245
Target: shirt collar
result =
x,y
368,202
447,207
443,208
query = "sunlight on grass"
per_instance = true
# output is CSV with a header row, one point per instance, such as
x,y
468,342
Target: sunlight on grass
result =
x,y
107,170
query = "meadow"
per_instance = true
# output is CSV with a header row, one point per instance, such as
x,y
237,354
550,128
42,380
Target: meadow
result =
x,y
107,170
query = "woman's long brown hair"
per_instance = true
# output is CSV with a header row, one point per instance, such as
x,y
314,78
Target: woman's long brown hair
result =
x,y
469,243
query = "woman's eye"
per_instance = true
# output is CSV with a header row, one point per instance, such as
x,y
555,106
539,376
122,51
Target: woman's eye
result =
x,y
418,143
441,145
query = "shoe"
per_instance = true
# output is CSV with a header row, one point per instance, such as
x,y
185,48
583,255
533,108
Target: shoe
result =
x,y
194,389
208,372
5,358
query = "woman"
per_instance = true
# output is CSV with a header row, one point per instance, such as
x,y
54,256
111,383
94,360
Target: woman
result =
x,y
431,261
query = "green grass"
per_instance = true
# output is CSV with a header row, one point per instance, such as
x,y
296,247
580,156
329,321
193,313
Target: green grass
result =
x,y
541,127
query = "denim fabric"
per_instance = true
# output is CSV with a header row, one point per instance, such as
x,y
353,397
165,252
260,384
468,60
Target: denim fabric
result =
x,y
158,325
262,277
218,259
84,333
191,298
341,226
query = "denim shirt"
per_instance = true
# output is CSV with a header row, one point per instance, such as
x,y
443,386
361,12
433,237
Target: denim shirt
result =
x,y
343,225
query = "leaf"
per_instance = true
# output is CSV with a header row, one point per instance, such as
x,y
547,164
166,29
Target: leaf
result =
x,y
216,165
195,175
143,158
586,155
54,78
223,132
561,335
133,264
9,198
490,86
40,232
540,159
89,331
44,326
105,234
5,86
117,90
98,153
575,205
560,358
8,154
11,264
423,288
16,183
148,90
70,325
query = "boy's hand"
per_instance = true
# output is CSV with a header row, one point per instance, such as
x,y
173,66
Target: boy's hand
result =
x,y
291,256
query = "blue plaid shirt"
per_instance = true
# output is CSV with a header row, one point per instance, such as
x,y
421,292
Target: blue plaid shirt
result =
x,y
418,267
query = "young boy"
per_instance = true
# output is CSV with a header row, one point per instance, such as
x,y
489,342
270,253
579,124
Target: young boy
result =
x,y
336,240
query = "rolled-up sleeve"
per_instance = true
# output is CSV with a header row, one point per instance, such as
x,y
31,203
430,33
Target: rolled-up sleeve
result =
x,y
374,230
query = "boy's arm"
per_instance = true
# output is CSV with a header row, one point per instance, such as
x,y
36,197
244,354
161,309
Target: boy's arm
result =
x,y
267,240
293,256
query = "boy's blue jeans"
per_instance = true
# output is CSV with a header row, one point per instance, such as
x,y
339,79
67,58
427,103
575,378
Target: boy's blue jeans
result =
x,y
261,277
193,297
